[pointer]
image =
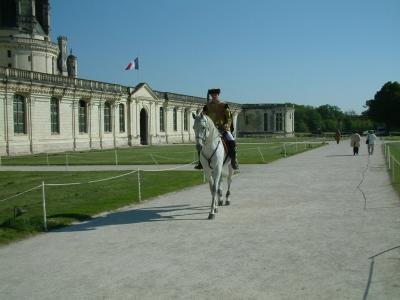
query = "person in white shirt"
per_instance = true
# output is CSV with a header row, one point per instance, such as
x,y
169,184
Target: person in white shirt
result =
x,y
371,139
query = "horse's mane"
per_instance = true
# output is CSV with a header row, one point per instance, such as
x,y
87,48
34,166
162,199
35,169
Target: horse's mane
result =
x,y
212,125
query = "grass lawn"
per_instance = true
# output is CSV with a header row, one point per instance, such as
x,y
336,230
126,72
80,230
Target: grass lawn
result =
x,y
66,204
252,151
395,152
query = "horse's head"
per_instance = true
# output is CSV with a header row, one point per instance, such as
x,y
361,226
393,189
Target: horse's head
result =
x,y
201,130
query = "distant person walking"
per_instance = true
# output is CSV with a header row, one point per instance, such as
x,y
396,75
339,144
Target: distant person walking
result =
x,y
338,135
371,139
355,142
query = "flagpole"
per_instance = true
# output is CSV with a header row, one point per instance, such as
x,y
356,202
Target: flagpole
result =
x,y
138,70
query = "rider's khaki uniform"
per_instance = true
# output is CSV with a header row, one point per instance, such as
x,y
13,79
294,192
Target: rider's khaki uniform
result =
x,y
220,113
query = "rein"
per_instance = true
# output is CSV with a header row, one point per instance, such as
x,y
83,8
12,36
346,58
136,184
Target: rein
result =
x,y
209,159
204,138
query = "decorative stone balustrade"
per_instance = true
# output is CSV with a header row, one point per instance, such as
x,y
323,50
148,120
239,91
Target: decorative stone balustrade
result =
x,y
23,75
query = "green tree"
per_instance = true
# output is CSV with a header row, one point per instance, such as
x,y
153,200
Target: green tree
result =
x,y
385,107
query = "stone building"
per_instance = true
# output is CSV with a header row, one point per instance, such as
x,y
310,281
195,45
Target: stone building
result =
x,y
266,119
45,107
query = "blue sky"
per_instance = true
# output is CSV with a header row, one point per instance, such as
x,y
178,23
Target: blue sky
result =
x,y
309,52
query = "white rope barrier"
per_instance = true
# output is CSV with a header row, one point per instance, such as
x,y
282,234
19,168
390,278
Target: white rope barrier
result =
x,y
19,194
91,181
171,169
262,157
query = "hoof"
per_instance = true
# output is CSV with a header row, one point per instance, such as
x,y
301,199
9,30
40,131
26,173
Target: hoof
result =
x,y
220,202
211,216
227,202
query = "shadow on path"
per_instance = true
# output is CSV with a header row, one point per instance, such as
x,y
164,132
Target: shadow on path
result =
x,y
338,155
140,215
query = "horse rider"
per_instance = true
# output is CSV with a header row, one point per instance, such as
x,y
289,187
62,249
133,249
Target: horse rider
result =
x,y
220,113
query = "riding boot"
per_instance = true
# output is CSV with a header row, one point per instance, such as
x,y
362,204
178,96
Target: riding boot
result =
x,y
199,165
232,154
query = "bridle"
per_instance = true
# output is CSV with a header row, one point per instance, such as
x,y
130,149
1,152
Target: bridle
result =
x,y
203,138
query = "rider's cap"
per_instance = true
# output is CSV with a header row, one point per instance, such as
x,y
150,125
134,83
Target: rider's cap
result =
x,y
214,91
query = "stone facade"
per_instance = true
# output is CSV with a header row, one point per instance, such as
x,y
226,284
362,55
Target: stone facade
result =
x,y
44,107
133,114
275,119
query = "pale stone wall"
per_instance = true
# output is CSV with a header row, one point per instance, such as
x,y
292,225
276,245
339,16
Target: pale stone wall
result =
x,y
38,90
32,54
251,120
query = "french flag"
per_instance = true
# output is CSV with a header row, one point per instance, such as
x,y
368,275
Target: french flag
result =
x,y
133,65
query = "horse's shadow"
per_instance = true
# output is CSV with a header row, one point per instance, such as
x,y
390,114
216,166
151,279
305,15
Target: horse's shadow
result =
x,y
140,215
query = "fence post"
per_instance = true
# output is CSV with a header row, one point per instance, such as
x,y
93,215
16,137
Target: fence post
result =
x,y
66,159
0,160
138,180
284,148
116,157
44,207
393,164
388,158
47,158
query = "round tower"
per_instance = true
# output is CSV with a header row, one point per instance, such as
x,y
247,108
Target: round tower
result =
x,y
25,36
72,65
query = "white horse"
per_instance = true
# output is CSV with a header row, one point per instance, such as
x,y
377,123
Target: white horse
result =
x,y
213,158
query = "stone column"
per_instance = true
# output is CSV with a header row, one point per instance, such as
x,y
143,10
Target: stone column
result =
x,y
29,123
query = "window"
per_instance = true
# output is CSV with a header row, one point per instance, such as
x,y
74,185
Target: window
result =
x,y
185,120
82,116
175,119
279,122
55,115
162,127
107,117
19,106
8,53
29,58
265,121
121,118
10,65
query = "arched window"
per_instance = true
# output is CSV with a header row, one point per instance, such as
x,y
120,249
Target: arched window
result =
x,y
175,119
8,13
279,121
265,121
82,116
186,120
55,115
121,118
162,122
107,117
19,106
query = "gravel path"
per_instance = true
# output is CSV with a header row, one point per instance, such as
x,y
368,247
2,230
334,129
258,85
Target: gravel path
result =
x,y
304,227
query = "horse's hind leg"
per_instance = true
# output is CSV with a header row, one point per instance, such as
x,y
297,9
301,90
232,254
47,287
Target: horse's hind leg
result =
x,y
229,180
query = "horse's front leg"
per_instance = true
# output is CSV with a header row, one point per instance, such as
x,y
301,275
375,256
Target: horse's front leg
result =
x,y
211,184
216,176
229,180
213,190
220,201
